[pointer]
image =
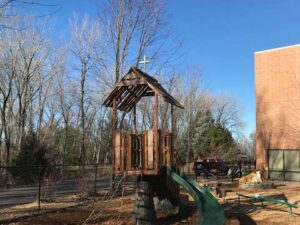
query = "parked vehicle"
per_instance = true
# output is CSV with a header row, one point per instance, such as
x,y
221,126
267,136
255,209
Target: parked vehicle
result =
x,y
210,165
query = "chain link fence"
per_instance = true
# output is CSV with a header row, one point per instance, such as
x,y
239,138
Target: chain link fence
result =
x,y
220,170
35,189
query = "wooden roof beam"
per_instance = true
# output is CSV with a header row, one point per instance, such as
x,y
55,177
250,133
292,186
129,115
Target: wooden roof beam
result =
x,y
128,90
135,82
128,96
116,94
134,101
139,92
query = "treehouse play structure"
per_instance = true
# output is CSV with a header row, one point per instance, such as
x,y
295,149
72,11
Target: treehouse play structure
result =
x,y
149,155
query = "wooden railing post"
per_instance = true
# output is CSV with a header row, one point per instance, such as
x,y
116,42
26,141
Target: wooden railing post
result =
x,y
156,154
113,133
172,134
134,120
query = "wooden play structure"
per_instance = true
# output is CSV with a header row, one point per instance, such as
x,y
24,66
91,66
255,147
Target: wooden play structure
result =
x,y
143,154
149,155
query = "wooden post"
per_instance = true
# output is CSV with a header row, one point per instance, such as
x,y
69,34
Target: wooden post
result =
x,y
135,135
121,151
134,120
145,139
156,158
114,127
129,151
172,135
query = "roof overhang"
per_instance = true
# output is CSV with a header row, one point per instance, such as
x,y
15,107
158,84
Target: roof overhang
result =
x,y
135,85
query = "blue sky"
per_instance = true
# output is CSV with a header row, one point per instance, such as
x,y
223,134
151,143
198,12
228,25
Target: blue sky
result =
x,y
219,35
222,36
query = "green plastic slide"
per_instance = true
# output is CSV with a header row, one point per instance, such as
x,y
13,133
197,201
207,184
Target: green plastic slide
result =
x,y
211,211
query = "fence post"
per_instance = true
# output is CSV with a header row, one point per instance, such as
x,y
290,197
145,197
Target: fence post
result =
x,y
95,184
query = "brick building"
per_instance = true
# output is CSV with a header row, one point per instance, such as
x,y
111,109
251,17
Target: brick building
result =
x,y
277,87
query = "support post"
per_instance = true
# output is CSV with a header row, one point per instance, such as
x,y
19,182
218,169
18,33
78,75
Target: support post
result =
x,y
172,135
130,152
114,118
156,158
122,150
134,120
134,153
113,133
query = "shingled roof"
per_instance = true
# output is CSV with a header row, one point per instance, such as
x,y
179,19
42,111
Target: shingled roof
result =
x,y
135,85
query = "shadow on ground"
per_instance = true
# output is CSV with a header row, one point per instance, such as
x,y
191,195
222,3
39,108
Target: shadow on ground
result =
x,y
240,212
187,214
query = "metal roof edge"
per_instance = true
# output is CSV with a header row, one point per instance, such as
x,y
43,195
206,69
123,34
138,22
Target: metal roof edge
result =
x,y
276,49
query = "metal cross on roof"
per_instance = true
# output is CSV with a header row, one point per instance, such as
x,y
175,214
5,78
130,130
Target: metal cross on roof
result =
x,y
145,61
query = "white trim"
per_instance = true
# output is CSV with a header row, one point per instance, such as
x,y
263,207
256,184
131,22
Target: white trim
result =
x,y
275,49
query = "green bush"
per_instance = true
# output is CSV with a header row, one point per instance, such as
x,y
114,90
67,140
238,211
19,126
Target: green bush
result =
x,y
31,163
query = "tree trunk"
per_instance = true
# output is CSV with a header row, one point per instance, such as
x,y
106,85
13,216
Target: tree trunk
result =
x,y
82,115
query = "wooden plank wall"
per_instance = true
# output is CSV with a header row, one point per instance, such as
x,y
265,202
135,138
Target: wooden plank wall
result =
x,y
122,151
151,160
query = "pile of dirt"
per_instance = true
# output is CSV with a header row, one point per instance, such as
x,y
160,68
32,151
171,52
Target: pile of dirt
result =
x,y
255,186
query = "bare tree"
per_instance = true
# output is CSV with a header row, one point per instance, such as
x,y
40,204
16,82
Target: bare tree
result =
x,y
86,49
192,90
32,54
120,20
8,71
134,28
40,94
4,14
9,10
227,112
24,58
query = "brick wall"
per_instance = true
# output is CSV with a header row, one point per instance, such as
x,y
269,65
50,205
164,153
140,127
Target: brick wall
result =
x,y
277,87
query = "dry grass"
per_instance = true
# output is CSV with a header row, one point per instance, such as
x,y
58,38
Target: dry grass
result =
x,y
29,209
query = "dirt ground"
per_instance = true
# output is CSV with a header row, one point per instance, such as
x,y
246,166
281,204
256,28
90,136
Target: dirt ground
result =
x,y
249,212
118,211
29,209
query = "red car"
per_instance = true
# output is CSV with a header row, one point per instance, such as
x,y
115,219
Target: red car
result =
x,y
213,165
